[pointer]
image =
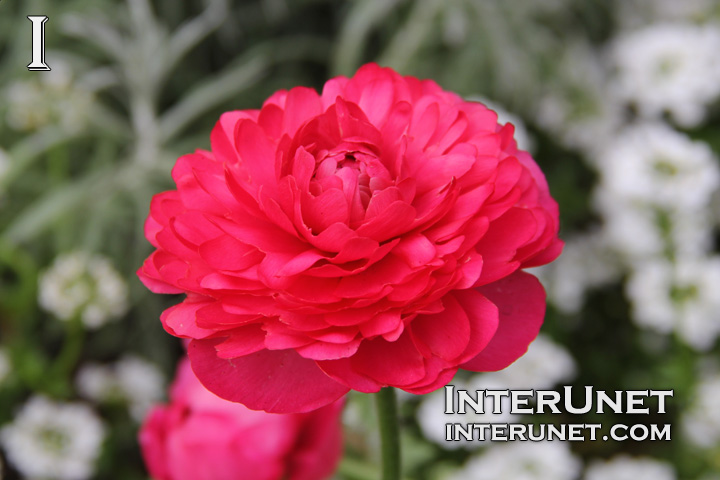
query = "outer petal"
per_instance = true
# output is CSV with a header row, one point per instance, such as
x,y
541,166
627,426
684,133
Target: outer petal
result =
x,y
546,256
342,371
445,334
484,320
180,320
150,277
319,446
520,299
204,448
379,363
437,375
278,381
153,439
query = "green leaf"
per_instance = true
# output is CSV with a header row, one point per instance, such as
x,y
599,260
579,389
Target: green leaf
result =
x,y
41,214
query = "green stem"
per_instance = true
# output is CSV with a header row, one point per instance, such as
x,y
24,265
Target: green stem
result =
x,y
70,353
389,433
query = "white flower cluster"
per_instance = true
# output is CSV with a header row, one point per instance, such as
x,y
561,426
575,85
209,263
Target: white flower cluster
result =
x,y
545,365
628,111
623,467
132,379
680,296
651,165
701,422
83,284
50,98
656,187
670,68
51,440
577,108
656,184
545,460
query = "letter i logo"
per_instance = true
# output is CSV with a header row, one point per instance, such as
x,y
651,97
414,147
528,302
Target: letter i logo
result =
x,y
38,43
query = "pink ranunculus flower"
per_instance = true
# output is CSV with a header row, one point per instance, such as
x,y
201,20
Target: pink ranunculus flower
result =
x,y
369,236
198,435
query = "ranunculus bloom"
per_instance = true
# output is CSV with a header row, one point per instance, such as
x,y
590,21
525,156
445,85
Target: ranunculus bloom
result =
x,y
369,236
201,436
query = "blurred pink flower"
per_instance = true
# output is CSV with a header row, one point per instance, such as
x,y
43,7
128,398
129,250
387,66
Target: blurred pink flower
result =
x,y
201,436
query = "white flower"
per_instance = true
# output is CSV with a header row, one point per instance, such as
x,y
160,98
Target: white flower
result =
x,y
586,262
578,107
631,230
432,419
52,97
691,232
545,460
623,467
96,382
141,382
653,165
132,380
52,440
5,366
86,285
701,422
681,297
669,67
545,365
640,231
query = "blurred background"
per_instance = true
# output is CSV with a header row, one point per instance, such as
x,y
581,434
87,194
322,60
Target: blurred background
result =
x,y
616,100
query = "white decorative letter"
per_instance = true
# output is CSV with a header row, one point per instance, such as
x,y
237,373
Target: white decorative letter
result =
x,y
38,43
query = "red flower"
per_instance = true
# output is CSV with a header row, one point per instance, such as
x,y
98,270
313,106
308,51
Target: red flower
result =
x,y
201,436
369,236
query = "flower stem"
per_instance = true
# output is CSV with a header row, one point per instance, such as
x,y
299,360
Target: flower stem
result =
x,y
70,353
389,433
